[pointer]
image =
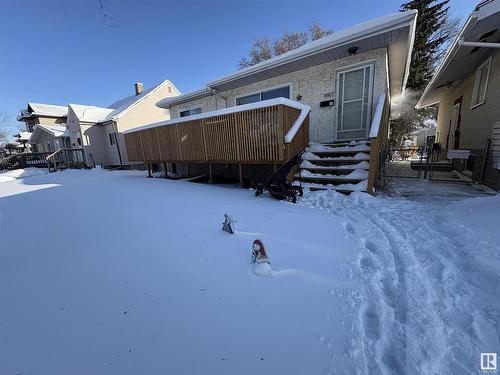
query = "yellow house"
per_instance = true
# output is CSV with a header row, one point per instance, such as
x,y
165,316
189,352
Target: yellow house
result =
x,y
97,130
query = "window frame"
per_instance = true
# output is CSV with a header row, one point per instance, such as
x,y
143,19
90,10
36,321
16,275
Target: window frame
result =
x,y
190,109
289,85
475,87
371,93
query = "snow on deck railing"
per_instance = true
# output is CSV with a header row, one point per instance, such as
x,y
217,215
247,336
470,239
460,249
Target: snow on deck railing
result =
x,y
304,111
240,108
377,117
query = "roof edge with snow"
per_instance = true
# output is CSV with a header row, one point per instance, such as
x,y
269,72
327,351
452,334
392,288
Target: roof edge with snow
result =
x,y
349,35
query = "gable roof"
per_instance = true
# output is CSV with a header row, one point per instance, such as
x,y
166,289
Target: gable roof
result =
x,y
54,130
40,109
123,105
90,113
396,29
461,60
23,136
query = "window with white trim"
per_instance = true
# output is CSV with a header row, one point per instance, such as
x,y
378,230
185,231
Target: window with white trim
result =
x,y
481,84
279,92
190,112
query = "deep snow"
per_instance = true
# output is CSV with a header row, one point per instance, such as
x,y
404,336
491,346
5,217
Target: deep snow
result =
x,y
113,273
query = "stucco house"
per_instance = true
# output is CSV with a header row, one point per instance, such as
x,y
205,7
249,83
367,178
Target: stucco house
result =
x,y
45,126
466,86
99,130
339,91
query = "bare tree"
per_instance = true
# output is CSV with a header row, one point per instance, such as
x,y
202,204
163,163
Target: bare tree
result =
x,y
4,119
317,32
259,52
103,8
289,41
108,19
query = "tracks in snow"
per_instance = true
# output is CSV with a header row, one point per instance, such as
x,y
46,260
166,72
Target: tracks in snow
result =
x,y
419,313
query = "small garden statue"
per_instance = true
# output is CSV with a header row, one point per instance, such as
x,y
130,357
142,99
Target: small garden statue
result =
x,y
228,224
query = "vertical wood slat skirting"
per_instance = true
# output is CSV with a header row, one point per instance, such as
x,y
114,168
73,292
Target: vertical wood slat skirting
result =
x,y
252,136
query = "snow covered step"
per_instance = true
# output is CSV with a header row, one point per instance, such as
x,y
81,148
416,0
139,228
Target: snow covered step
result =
x,y
324,150
338,168
345,188
352,143
353,158
354,177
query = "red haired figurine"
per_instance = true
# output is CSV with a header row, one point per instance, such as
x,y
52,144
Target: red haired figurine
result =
x,y
259,253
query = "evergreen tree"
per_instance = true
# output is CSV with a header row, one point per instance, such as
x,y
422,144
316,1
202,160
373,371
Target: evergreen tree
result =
x,y
434,32
431,20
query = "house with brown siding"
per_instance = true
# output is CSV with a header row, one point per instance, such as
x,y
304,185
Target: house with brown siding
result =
x,y
466,86
337,92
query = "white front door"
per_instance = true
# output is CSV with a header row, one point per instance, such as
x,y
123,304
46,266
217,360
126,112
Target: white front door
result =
x,y
455,111
354,87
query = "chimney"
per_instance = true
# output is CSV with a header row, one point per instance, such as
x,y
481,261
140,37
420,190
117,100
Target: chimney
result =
x,y
138,88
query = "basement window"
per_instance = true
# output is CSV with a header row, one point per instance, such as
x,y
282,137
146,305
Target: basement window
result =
x,y
481,84
190,112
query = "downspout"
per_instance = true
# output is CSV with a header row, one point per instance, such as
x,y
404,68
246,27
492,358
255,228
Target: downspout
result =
x,y
117,142
462,42
214,92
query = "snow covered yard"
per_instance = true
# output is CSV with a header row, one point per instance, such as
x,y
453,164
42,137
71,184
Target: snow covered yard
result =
x,y
112,273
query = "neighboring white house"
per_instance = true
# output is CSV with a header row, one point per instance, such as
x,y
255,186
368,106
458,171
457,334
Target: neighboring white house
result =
x,y
50,119
98,130
49,138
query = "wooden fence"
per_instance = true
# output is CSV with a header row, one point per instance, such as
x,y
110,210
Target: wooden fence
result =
x,y
248,137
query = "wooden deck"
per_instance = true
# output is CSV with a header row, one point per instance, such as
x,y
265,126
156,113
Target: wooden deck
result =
x,y
246,136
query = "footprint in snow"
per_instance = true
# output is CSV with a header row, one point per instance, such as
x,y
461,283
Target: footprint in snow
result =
x,y
348,227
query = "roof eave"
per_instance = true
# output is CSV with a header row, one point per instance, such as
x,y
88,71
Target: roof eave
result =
x,y
407,19
198,94
424,101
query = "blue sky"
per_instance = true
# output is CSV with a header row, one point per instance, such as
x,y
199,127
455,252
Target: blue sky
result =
x,y
63,51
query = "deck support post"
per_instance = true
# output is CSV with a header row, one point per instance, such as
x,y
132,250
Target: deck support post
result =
x,y
210,174
174,168
240,167
188,171
150,174
275,167
165,169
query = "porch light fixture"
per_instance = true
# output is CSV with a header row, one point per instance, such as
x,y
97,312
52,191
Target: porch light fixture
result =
x,y
352,50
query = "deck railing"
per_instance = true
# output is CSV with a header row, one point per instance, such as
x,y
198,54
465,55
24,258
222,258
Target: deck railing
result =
x,y
378,139
66,158
271,131
24,160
